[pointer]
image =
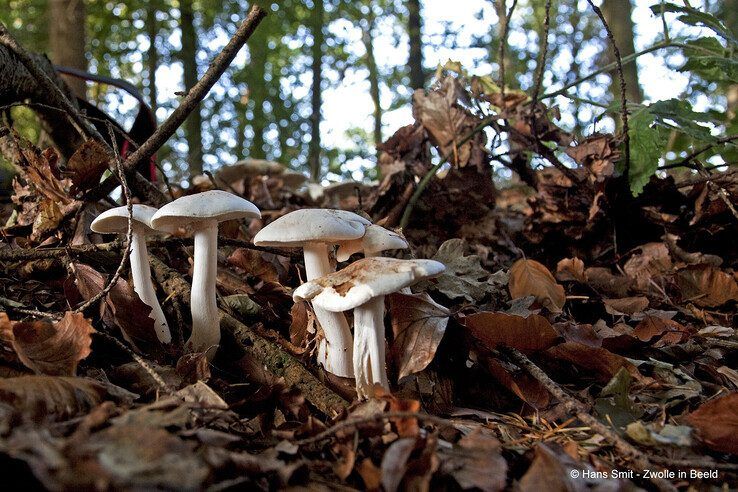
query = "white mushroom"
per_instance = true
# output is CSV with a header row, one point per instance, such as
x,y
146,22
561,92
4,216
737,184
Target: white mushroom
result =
x,y
203,212
362,286
375,240
115,221
314,230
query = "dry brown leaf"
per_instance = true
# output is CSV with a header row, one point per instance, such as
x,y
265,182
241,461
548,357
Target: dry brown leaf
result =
x,y
418,324
603,281
530,278
528,334
370,474
597,152
601,363
571,269
477,463
652,262
668,331
406,426
706,285
254,264
626,305
53,348
522,384
51,397
394,463
716,423
87,165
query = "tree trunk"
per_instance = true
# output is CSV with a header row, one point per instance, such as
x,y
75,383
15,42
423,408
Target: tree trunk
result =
x,y
193,124
67,39
505,63
371,65
618,16
415,31
152,55
730,17
316,98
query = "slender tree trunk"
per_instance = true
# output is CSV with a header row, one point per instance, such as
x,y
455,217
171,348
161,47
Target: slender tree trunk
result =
x,y
193,124
67,39
618,16
314,160
371,65
730,17
258,49
415,32
152,55
505,63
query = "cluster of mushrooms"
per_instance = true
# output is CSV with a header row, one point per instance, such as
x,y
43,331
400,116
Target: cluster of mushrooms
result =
x,y
361,286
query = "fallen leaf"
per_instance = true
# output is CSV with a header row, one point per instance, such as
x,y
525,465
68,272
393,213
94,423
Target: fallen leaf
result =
x,y
716,423
522,384
601,363
706,285
462,274
602,280
394,463
668,331
476,463
598,152
53,348
530,278
87,165
51,397
370,474
418,324
529,334
253,263
652,262
571,269
626,305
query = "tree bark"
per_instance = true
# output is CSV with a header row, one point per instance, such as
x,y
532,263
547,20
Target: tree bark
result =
x,y
314,157
67,39
152,55
618,16
415,32
371,65
193,123
730,17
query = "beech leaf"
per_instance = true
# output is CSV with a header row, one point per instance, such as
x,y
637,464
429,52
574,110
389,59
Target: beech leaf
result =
x,y
716,423
528,334
418,323
530,278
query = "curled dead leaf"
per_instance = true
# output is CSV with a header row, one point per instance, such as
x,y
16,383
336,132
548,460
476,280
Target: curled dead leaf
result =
x,y
601,363
530,278
716,423
53,348
706,285
571,269
626,305
418,324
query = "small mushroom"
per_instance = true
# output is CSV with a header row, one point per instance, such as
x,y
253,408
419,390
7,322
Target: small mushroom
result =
x,y
115,221
203,212
362,286
375,240
314,230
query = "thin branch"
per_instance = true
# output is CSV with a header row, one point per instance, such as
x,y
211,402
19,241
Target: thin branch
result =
x,y
541,68
194,96
503,45
684,162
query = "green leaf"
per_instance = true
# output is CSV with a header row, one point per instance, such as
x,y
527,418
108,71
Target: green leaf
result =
x,y
646,147
694,17
675,114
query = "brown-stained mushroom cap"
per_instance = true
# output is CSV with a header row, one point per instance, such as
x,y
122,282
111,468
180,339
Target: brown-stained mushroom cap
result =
x,y
364,280
312,225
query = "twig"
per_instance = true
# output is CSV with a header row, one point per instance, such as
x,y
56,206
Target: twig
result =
x,y
275,358
621,77
503,44
139,360
696,153
356,421
129,232
194,96
724,177
639,460
541,60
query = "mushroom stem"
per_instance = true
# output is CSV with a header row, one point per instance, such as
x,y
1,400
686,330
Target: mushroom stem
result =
x,y
205,317
336,354
369,348
144,287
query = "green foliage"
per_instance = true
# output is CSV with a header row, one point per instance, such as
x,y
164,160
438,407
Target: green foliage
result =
x,y
646,147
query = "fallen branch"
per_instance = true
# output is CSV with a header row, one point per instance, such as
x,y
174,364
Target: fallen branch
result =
x,y
275,358
629,452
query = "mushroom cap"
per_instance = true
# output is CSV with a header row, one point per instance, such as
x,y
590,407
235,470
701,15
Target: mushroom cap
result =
x,y
115,220
376,239
214,205
364,280
312,225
